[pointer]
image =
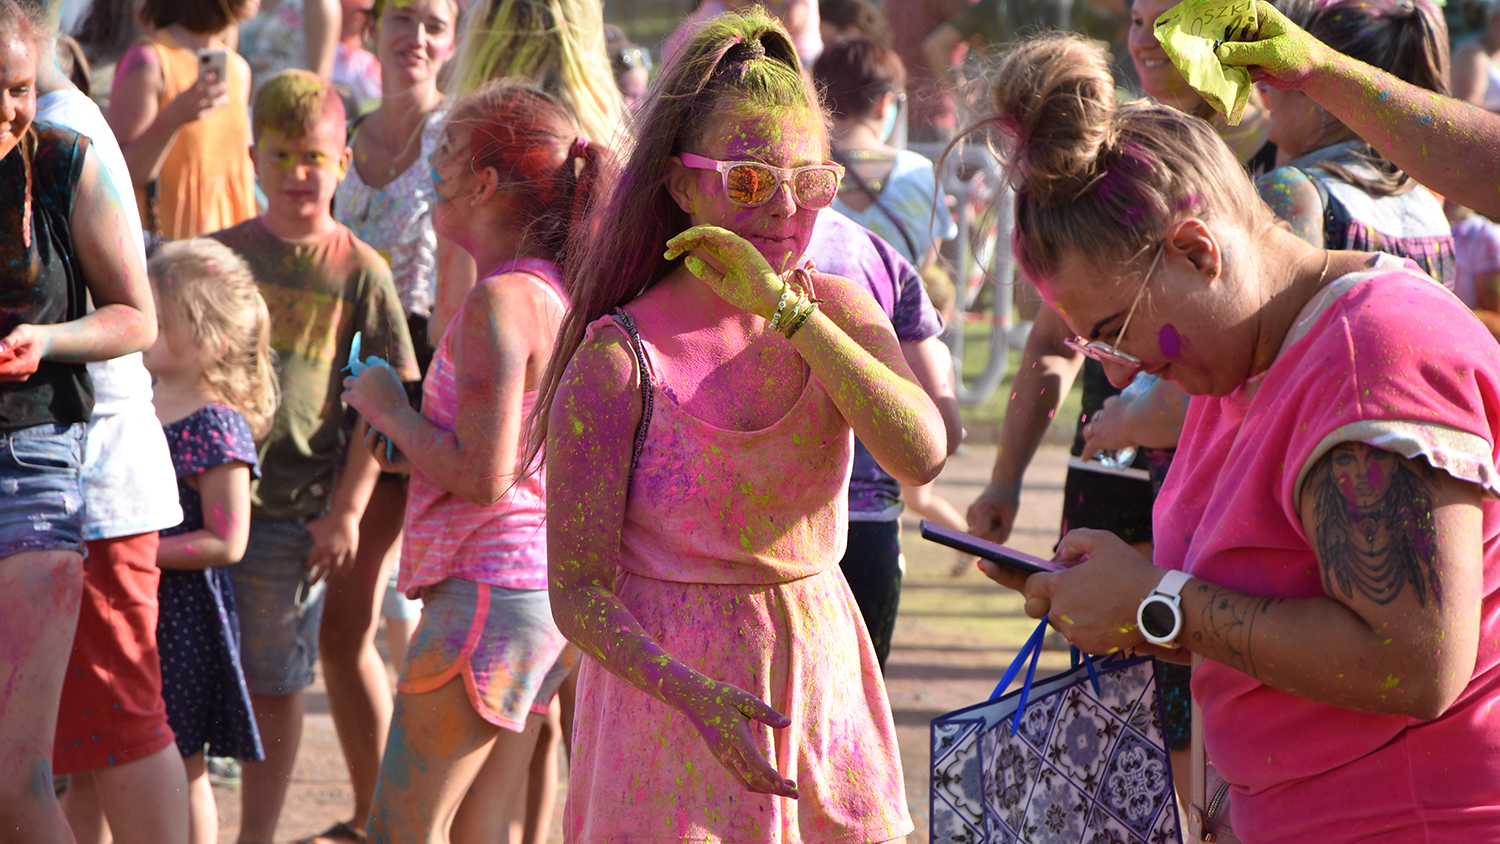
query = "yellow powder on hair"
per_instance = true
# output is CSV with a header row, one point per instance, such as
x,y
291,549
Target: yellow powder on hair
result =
x,y
293,103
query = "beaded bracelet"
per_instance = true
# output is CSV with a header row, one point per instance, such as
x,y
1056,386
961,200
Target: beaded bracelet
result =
x,y
799,281
799,319
797,308
786,296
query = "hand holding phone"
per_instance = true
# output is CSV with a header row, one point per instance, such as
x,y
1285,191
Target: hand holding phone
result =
x,y
209,92
1008,557
215,62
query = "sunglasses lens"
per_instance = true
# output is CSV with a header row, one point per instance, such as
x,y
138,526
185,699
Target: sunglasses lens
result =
x,y
750,184
817,188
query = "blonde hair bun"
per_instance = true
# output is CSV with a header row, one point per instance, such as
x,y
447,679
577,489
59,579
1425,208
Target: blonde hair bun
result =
x,y
1097,179
1054,101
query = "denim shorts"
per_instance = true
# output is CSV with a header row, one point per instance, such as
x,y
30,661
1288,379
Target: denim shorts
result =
x,y
41,488
397,607
279,613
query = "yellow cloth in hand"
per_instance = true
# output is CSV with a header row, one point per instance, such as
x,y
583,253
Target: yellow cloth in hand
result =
x,y
1191,31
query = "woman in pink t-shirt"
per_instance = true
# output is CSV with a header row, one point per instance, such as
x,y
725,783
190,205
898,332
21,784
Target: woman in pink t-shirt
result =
x,y
1331,520
510,177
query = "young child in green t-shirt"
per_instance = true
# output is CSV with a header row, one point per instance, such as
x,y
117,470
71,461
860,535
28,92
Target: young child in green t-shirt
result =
x,y
322,285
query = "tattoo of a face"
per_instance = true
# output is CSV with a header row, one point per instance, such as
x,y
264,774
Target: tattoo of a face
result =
x,y
1376,532
1228,620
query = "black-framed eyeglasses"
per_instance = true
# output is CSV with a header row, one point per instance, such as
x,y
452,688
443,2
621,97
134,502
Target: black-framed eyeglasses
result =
x,y
751,183
1110,352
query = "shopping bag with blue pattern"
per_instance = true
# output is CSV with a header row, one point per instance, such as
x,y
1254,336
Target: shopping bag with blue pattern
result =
x,y
1078,758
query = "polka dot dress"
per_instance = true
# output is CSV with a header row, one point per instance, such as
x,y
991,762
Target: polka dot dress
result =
x,y
197,628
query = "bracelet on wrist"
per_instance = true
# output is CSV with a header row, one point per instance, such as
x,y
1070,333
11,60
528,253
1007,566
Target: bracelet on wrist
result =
x,y
786,296
799,282
797,321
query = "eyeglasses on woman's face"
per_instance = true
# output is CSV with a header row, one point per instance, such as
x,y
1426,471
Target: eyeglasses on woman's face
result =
x,y
1110,352
750,184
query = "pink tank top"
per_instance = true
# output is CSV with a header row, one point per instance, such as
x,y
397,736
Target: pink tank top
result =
x,y
504,544
711,505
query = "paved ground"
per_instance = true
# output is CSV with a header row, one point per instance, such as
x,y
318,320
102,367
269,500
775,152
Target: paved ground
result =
x,y
953,639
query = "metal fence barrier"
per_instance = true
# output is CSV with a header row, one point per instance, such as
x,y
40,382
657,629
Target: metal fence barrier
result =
x,y
969,175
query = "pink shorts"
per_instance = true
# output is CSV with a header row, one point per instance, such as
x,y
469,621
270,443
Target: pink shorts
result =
x,y
112,711
503,642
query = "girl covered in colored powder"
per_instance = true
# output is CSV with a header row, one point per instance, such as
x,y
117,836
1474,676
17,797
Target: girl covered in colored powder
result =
x,y
699,409
556,45
215,393
511,178
186,133
1331,524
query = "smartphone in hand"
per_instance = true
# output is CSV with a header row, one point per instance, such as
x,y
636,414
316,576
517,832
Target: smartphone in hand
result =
x,y
1009,557
215,62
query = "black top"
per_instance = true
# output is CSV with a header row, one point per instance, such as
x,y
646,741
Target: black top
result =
x,y
42,284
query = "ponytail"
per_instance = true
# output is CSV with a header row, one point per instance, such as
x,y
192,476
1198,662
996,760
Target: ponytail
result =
x,y
1405,38
530,138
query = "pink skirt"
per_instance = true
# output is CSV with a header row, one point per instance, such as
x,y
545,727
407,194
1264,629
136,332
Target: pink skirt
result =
x,y
640,772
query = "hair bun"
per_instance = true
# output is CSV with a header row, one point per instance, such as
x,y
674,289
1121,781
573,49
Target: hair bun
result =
x,y
747,50
1054,100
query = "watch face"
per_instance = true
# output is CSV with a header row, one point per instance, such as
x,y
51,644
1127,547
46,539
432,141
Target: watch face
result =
x,y
1157,618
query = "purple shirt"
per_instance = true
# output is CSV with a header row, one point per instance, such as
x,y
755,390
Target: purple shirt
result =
x,y
843,247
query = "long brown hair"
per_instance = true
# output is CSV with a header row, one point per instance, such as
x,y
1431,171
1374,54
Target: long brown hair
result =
x,y
201,16
743,61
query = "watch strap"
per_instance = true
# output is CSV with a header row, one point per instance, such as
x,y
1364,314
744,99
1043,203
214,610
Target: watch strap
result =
x,y
1171,585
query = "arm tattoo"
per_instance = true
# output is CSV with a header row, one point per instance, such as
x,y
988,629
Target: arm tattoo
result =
x,y
1227,622
1376,533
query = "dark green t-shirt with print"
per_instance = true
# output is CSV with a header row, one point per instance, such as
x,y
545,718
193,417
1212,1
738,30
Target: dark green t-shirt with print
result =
x,y
319,294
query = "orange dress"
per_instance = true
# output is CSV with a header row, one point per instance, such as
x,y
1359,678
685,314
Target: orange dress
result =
x,y
207,180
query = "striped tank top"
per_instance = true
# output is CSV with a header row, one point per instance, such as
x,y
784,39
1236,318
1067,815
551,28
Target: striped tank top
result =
x,y
503,544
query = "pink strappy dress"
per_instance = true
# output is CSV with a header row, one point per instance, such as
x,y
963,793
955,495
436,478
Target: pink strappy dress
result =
x,y
729,557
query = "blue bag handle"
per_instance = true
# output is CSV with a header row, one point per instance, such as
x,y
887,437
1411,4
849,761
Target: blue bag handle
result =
x,y
1088,661
1033,650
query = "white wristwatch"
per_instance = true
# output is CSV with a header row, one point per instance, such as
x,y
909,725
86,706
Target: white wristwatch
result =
x,y
1160,614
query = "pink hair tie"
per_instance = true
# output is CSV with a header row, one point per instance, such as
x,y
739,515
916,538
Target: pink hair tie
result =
x,y
580,144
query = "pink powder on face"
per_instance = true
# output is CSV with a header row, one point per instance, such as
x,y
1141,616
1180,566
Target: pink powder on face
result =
x,y
1169,340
